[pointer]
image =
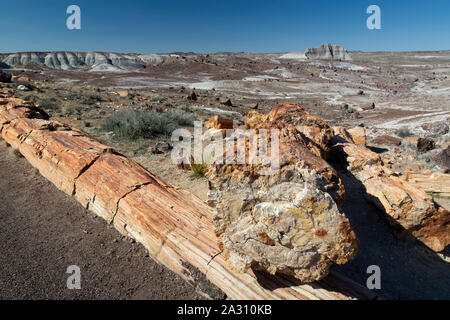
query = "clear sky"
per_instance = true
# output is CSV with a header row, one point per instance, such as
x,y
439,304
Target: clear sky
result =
x,y
149,26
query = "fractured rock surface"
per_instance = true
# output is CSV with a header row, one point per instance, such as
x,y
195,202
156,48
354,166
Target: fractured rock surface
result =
x,y
289,221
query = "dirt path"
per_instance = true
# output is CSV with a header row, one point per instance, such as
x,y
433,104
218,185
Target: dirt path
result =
x,y
43,231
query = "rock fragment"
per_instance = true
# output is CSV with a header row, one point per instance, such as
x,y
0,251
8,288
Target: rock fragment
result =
x,y
421,144
358,135
5,77
226,102
387,140
218,122
410,210
160,148
442,158
437,128
192,96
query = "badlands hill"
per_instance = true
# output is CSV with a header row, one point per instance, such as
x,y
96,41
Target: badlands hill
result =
x,y
94,61
109,61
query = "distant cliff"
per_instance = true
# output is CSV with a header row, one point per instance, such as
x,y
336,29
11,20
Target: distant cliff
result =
x,y
328,52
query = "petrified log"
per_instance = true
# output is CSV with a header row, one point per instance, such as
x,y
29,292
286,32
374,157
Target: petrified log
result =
x,y
316,133
289,221
404,203
358,135
431,182
174,225
218,122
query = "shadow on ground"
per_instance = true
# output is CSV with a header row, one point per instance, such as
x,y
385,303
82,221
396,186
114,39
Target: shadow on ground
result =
x,y
409,270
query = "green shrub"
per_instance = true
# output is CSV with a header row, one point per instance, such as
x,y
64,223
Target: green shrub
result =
x,y
49,104
146,124
91,100
198,169
72,108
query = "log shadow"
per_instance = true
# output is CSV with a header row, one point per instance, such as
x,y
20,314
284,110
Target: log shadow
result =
x,y
377,149
409,269
334,282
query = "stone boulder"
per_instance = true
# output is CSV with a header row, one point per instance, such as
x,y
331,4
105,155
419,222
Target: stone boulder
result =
x,y
219,122
421,144
358,135
387,140
437,128
226,102
328,52
192,96
160,148
288,221
367,106
442,158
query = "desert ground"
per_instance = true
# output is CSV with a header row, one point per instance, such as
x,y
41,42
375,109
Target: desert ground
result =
x,y
392,95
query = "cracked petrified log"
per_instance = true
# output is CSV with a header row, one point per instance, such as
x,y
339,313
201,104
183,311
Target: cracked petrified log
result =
x,y
406,206
316,133
174,225
289,221
431,182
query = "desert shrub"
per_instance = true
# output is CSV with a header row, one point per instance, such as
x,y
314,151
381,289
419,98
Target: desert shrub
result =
x,y
49,104
91,99
71,108
146,124
73,96
404,132
198,169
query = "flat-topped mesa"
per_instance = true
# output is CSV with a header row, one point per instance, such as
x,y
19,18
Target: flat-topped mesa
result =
x,y
328,52
404,203
287,221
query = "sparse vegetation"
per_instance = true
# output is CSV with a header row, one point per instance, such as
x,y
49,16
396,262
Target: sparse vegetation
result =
x,y
71,108
49,104
199,169
137,124
404,132
16,153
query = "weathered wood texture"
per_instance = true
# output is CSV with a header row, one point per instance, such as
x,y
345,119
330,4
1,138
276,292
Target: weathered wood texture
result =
x,y
433,182
175,226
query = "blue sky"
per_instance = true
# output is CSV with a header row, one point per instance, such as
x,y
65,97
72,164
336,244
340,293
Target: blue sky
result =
x,y
148,26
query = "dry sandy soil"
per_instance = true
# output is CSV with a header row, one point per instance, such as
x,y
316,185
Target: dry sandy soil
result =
x,y
43,231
